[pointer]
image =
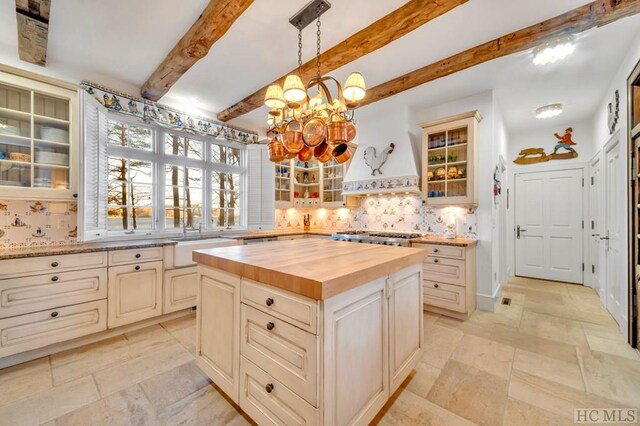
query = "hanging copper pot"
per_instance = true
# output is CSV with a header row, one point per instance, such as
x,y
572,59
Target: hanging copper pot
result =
x,y
341,153
289,155
314,132
337,130
305,153
323,152
276,150
351,131
292,137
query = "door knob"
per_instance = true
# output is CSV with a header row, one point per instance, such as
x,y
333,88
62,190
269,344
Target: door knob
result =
x,y
604,238
519,230
595,235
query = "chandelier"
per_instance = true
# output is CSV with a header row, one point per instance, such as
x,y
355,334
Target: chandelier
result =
x,y
307,126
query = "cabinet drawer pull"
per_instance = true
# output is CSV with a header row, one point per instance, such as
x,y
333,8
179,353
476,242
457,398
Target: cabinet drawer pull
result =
x,y
270,326
54,278
138,255
435,260
54,264
269,302
436,286
137,268
269,388
435,250
54,314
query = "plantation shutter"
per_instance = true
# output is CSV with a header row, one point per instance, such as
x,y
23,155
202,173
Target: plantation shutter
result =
x,y
260,189
94,173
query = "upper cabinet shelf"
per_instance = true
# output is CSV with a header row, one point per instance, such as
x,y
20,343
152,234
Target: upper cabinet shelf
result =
x,y
450,159
37,139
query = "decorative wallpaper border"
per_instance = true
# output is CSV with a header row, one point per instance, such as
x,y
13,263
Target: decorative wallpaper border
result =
x,y
166,116
383,184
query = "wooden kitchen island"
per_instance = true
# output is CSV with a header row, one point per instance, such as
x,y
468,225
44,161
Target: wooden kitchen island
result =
x,y
309,331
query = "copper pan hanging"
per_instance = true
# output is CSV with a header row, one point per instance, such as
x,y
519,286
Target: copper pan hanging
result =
x,y
341,153
323,152
313,132
292,137
276,150
305,153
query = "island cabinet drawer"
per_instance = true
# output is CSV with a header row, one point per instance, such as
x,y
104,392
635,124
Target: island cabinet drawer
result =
x,y
288,353
127,257
445,296
441,250
32,331
297,310
449,271
268,402
32,294
51,264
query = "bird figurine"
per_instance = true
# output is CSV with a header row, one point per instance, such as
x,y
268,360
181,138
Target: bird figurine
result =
x,y
376,161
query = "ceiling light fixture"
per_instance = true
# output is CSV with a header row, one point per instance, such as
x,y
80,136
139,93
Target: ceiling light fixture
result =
x,y
549,111
553,51
321,125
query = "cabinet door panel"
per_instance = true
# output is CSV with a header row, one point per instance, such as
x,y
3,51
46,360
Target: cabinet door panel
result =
x,y
218,349
356,370
33,294
405,324
180,289
135,293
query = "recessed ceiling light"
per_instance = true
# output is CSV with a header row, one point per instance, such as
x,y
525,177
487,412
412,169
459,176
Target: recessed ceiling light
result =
x,y
549,111
553,51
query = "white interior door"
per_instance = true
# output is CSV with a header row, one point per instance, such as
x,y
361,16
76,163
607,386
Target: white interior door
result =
x,y
615,200
548,219
596,226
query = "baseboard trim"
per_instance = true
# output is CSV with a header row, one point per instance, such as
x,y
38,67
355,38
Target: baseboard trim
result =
x,y
489,303
21,357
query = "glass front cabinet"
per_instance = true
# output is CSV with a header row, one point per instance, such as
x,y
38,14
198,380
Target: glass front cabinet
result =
x,y
38,133
309,184
449,160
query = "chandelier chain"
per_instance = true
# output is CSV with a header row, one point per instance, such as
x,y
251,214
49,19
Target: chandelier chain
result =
x,y
299,51
318,49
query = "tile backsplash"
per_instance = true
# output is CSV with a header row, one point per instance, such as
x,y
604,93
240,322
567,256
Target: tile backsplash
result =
x,y
26,223
399,213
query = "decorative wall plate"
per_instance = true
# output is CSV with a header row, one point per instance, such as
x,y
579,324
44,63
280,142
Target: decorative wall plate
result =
x,y
613,112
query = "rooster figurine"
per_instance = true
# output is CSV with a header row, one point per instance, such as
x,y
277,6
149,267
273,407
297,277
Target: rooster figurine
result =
x,y
376,161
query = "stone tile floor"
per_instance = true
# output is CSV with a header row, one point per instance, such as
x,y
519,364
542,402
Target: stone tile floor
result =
x,y
553,349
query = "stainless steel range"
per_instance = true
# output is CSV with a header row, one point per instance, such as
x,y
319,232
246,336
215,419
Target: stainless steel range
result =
x,y
397,239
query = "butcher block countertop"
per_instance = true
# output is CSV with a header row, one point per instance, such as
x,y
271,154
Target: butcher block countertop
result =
x,y
458,241
314,268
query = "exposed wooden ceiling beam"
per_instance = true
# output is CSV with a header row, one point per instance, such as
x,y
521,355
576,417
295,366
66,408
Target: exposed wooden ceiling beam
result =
x,y
215,21
396,24
33,30
595,14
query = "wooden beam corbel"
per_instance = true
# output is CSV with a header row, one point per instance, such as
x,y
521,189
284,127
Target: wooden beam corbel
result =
x,y
215,21
33,30
391,27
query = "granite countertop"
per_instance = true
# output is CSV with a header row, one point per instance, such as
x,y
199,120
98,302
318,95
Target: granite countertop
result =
x,y
17,253
314,267
458,241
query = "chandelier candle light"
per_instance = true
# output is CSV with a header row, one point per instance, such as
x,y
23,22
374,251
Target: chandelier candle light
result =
x,y
319,126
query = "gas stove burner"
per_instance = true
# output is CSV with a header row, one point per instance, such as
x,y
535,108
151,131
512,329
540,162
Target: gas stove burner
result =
x,y
393,235
396,239
351,232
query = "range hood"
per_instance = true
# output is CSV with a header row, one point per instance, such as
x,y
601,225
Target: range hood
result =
x,y
398,174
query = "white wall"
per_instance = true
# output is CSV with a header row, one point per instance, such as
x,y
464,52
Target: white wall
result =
x,y
500,231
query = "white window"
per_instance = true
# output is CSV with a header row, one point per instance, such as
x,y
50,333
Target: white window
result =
x,y
159,180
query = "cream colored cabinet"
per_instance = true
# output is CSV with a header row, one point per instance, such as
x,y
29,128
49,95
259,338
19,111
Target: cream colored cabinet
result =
x,y
180,289
31,331
51,264
218,329
135,293
450,160
405,329
449,283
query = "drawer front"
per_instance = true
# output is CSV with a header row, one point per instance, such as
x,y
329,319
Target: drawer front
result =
x,y
32,294
32,331
180,289
449,271
135,293
446,296
269,402
289,354
51,264
128,257
441,250
297,310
